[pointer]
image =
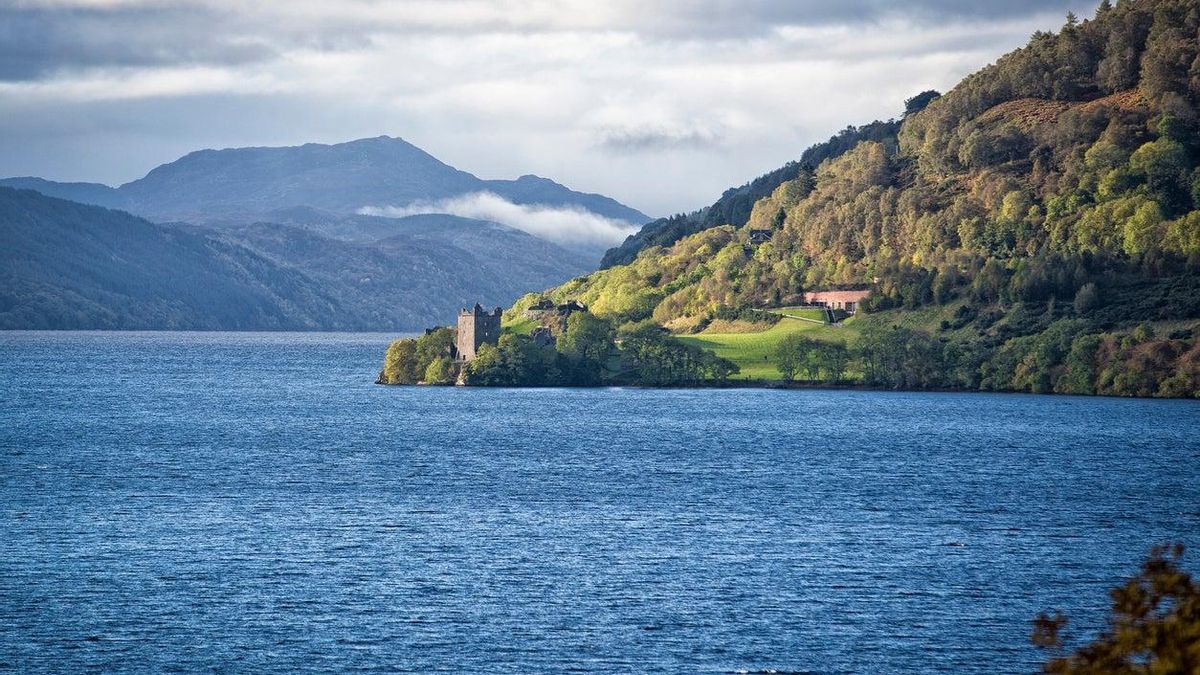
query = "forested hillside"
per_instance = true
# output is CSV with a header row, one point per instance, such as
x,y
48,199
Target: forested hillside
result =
x,y
735,205
1054,193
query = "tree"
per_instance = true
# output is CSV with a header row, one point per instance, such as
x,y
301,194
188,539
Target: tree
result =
x,y
1079,367
833,359
1087,299
790,356
399,363
1163,165
1153,627
586,344
659,360
991,282
439,372
407,361
919,102
487,369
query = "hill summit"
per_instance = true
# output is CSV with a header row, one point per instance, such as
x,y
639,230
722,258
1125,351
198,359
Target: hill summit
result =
x,y
242,185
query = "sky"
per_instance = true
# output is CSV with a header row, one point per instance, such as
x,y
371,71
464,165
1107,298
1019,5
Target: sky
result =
x,y
661,105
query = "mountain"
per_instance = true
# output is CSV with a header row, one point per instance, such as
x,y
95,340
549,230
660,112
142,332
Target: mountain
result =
x,y
246,184
251,181
84,193
530,189
1037,228
428,268
66,265
69,265
292,214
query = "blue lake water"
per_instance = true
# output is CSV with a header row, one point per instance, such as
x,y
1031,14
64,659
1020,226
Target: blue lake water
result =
x,y
253,503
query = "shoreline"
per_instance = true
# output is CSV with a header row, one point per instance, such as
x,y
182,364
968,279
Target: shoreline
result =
x,y
808,386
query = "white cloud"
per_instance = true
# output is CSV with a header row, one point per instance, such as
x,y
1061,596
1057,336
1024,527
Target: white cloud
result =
x,y
574,227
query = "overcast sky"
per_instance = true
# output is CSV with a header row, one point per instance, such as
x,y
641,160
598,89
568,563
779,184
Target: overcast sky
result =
x,y
661,105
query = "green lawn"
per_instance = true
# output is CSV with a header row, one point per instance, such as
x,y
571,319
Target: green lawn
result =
x,y
522,326
754,353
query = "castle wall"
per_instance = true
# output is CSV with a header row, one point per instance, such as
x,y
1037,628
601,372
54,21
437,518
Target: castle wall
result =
x,y
476,327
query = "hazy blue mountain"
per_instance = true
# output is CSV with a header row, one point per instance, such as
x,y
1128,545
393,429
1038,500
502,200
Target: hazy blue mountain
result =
x,y
69,265
252,181
426,270
270,238
531,189
345,226
84,193
242,185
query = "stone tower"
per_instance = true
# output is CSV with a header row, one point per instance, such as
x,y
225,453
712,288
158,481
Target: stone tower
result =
x,y
476,327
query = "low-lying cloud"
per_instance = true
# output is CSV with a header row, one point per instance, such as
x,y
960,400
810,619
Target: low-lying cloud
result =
x,y
566,225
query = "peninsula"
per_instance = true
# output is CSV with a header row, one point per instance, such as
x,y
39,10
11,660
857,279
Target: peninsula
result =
x,y
1036,228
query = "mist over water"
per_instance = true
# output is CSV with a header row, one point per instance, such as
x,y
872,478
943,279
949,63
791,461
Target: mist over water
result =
x,y
251,502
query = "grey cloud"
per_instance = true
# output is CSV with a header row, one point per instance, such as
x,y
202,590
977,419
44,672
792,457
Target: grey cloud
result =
x,y
35,42
640,102
39,40
740,18
654,139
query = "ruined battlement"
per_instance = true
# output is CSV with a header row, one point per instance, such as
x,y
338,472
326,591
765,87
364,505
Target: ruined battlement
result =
x,y
476,327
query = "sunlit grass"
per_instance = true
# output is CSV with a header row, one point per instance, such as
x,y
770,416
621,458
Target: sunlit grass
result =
x,y
521,326
754,353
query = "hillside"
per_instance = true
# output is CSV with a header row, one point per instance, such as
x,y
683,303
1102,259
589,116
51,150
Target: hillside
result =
x,y
417,277
296,209
95,194
247,184
1045,211
735,204
66,265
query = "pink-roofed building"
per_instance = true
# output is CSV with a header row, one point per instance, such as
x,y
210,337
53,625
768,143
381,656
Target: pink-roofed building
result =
x,y
843,300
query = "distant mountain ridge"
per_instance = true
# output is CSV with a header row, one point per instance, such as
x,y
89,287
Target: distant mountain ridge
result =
x,y
95,194
244,184
68,265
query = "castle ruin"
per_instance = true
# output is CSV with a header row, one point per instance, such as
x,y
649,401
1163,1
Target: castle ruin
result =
x,y
476,327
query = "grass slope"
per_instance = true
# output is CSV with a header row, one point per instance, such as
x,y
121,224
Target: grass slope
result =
x,y
523,325
754,353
